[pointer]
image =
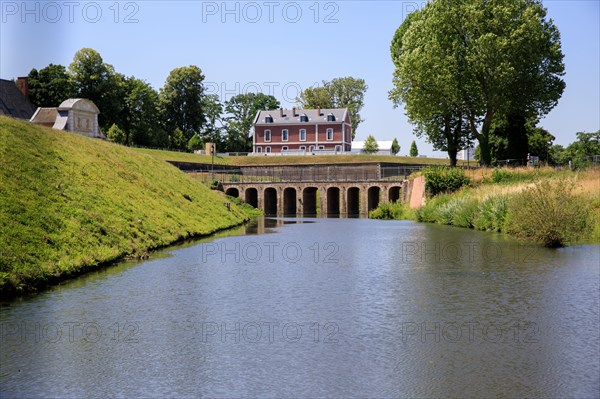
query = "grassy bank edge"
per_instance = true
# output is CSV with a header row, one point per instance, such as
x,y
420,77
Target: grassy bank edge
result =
x,y
570,207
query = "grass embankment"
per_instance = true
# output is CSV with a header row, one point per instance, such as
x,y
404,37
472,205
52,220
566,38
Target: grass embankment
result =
x,y
290,160
551,207
69,203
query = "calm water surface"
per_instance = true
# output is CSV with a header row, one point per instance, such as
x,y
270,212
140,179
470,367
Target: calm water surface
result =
x,y
317,308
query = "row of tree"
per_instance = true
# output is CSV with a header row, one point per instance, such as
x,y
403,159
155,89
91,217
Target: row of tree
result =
x,y
181,115
371,146
469,71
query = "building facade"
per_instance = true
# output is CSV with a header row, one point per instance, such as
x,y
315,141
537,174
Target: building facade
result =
x,y
300,131
76,115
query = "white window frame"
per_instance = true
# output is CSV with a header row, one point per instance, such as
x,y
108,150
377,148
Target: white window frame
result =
x,y
338,148
259,149
329,130
267,131
300,135
287,135
321,147
302,148
284,148
268,149
311,148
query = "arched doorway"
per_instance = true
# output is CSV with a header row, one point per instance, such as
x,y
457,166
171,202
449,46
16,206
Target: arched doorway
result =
x,y
353,201
309,200
270,201
373,198
233,192
333,201
289,201
394,193
251,197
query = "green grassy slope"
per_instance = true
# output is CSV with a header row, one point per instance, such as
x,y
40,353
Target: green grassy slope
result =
x,y
69,203
292,160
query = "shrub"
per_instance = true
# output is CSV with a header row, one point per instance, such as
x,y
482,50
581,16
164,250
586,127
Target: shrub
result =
x,y
549,213
464,212
441,179
429,212
389,211
491,213
501,175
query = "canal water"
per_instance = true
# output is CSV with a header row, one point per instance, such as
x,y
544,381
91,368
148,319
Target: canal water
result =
x,y
317,308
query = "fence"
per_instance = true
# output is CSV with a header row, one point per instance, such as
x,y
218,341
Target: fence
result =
x,y
301,174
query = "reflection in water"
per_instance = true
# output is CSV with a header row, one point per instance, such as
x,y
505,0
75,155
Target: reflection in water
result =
x,y
332,307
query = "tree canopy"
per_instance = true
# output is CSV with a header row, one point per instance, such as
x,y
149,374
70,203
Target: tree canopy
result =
x,y
181,99
50,86
370,146
414,151
346,92
459,65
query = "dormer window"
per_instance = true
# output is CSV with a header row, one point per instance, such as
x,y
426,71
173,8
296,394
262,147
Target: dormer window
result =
x,y
330,118
268,119
303,118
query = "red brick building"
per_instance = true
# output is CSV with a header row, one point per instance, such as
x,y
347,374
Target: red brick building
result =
x,y
302,130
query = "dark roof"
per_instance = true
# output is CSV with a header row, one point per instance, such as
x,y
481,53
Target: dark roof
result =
x,y
314,116
13,102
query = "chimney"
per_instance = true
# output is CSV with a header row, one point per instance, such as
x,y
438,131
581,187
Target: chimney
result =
x,y
294,112
281,112
319,111
22,85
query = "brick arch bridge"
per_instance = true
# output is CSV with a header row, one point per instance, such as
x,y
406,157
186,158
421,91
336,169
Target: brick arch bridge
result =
x,y
309,198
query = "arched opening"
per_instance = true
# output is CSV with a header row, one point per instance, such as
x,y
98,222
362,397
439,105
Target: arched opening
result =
x,y
270,201
232,192
309,200
333,201
353,201
251,197
394,193
289,201
373,195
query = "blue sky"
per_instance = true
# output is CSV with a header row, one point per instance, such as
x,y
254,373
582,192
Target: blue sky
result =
x,y
278,47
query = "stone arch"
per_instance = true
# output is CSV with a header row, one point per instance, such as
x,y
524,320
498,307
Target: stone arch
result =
x,y
373,194
289,201
394,193
333,201
233,192
270,201
251,196
353,200
309,200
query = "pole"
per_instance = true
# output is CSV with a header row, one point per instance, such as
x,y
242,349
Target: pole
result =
x,y
212,169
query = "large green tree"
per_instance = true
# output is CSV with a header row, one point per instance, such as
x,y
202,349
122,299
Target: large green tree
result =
x,y
242,110
346,92
50,86
476,60
142,123
181,100
97,81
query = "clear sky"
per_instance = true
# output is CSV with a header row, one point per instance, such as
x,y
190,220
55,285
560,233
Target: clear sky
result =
x,y
277,47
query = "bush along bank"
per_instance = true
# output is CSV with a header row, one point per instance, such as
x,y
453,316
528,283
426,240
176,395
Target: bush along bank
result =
x,y
554,210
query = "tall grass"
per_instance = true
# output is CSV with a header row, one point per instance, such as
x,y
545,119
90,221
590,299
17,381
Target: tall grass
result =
x,y
549,212
554,210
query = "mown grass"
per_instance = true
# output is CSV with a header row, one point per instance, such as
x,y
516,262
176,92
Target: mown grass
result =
x,y
552,208
289,160
69,203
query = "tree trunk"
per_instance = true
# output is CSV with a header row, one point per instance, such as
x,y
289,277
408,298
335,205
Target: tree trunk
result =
x,y
452,154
